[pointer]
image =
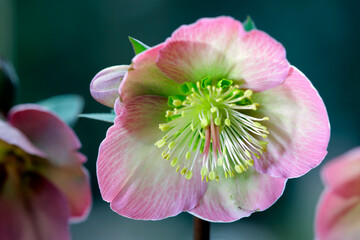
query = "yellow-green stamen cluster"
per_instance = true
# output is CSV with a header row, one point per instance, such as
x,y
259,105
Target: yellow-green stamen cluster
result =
x,y
15,161
210,125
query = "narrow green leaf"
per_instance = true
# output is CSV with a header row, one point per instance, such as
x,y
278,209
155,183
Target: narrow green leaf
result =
x,y
138,46
249,24
67,107
105,117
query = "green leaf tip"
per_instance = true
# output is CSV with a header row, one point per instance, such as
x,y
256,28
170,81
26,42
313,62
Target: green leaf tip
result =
x,y
67,106
138,46
105,117
249,24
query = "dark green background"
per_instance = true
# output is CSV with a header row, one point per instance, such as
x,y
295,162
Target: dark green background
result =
x,y
58,46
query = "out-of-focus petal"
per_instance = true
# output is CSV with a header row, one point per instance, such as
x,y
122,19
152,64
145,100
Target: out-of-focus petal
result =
x,y
145,78
73,182
131,172
47,132
299,127
233,198
38,213
220,48
12,136
337,217
343,173
105,85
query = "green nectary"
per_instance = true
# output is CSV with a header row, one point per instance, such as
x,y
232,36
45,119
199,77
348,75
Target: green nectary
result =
x,y
207,123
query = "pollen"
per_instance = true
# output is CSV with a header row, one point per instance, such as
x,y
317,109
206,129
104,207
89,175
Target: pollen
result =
x,y
211,126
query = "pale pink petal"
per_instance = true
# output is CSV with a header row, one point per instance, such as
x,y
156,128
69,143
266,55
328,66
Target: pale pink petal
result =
x,y
185,61
118,107
131,172
337,217
220,48
39,212
13,136
219,32
144,77
261,62
47,132
205,48
74,183
299,127
343,170
104,86
234,198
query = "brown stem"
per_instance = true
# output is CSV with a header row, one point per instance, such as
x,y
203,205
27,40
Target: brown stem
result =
x,y
201,229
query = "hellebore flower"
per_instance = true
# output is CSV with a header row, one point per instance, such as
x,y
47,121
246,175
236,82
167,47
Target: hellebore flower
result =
x,y
338,211
232,119
42,182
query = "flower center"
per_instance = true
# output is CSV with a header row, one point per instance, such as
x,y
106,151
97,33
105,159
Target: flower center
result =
x,y
210,124
15,161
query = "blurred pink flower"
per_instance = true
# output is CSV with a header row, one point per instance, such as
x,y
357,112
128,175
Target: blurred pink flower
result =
x,y
235,119
43,184
338,211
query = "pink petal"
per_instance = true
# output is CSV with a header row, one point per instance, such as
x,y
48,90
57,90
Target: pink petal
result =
x,y
104,86
47,132
144,77
218,32
73,182
131,172
337,217
299,127
38,213
185,61
220,48
261,62
343,173
234,198
118,107
13,136
205,48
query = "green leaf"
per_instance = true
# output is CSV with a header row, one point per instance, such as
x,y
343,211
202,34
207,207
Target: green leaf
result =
x,y
67,107
105,117
138,46
249,24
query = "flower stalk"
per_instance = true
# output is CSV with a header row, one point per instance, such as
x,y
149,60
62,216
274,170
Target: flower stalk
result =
x,y
201,229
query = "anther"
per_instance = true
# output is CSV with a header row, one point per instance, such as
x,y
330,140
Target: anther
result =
x,y
177,102
248,93
204,123
164,127
174,162
238,169
213,109
227,122
217,121
160,143
220,161
171,145
189,175
212,175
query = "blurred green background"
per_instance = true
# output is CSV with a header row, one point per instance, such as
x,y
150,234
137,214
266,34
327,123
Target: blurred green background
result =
x,y
58,46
